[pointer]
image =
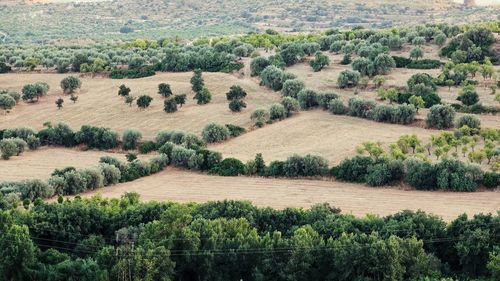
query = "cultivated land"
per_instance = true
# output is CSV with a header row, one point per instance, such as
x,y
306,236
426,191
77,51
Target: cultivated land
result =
x,y
334,137
39,164
183,186
99,104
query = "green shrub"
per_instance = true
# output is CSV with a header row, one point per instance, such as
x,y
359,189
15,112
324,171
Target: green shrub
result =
x,y
324,99
166,149
378,175
33,189
131,139
290,104
277,112
33,142
359,107
214,132
336,106
305,166
291,88
491,180
354,169
235,131
468,120
440,117
147,147
111,174
229,167
307,99
180,156
93,178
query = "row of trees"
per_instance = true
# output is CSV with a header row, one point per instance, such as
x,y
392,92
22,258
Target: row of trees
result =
x,y
100,239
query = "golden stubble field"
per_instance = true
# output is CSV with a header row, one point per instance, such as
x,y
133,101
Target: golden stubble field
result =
x,y
184,186
99,104
39,164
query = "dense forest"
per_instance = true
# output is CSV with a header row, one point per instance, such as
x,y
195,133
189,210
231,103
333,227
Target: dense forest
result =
x,y
122,239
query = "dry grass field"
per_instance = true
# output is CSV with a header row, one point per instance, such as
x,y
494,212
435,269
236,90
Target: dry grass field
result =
x,y
183,186
99,104
39,164
334,137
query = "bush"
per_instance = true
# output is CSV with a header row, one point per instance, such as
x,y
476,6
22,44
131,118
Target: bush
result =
x,y
234,130
291,88
274,77
468,120
192,141
166,149
214,132
136,169
22,133
60,134
260,117
424,64
491,180
354,169
440,117
324,99
144,101
229,167
164,90
111,174
236,93
170,105
290,104
348,79
113,162
277,112
203,96
180,156
378,175
402,114
147,147
401,62
468,96
33,189
158,163
307,99
359,107
209,158
95,137
93,178
257,65
336,106
308,166
74,183
237,105
33,142
7,102
12,147
131,139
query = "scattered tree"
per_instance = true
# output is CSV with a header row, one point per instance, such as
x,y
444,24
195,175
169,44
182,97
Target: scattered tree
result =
x,y
144,101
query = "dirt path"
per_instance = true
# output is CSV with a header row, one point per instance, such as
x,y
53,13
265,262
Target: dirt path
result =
x,y
183,186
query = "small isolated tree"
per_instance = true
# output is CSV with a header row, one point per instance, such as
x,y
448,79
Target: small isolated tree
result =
x,y
144,101
417,101
469,120
73,98
164,90
129,100
235,93
440,116
131,139
123,91
260,117
416,53
237,105
70,84
468,96
197,82
214,132
291,105
30,92
348,78
383,63
203,96
180,99
291,88
7,102
170,105
320,60
59,103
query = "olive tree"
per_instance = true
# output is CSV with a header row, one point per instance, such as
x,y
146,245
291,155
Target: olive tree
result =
x,y
214,132
277,112
123,91
144,101
320,60
164,90
291,105
469,120
131,139
203,96
440,116
7,102
170,105
70,84
260,117
292,87
348,78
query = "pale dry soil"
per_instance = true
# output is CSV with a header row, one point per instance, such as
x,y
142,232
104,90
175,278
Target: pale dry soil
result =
x,y
39,164
99,104
184,186
334,137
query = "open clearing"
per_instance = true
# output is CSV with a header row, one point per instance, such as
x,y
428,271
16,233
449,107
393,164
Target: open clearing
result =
x,y
334,137
39,164
184,186
99,104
